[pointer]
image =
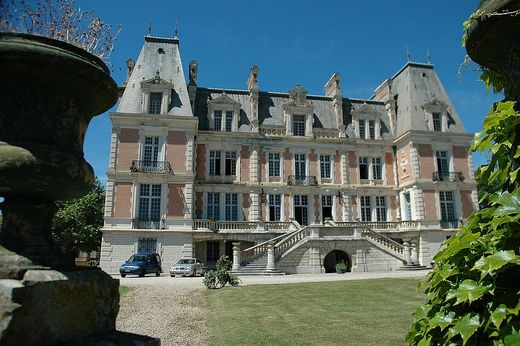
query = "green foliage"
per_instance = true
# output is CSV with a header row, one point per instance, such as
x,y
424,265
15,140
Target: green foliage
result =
x,y
341,266
221,276
77,223
473,292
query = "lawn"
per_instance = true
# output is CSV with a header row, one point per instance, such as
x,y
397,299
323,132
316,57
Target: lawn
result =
x,y
364,312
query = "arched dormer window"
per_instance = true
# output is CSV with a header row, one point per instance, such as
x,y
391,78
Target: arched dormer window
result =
x,y
436,114
223,113
298,113
366,122
156,95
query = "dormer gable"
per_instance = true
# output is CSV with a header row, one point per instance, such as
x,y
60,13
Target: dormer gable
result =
x,y
223,113
366,122
298,113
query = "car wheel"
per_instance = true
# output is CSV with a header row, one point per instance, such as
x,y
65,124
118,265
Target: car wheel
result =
x,y
142,273
158,273
194,272
123,275
172,275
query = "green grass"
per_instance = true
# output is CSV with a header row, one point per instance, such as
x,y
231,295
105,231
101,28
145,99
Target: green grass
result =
x,y
365,312
124,290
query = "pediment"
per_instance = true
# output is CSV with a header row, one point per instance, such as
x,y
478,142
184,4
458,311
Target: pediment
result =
x,y
364,110
156,81
435,105
222,100
297,98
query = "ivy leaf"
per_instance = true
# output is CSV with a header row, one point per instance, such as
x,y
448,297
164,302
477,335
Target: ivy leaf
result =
x,y
512,340
493,262
509,204
498,315
442,320
468,290
422,312
466,327
425,341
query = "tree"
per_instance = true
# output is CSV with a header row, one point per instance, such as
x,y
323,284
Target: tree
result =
x,y
77,223
473,292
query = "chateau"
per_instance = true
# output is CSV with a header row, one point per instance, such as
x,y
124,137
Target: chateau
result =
x,y
283,181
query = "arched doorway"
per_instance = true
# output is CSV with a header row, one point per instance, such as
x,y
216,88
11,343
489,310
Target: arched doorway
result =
x,y
333,257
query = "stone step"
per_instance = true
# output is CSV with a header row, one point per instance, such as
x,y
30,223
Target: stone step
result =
x,y
413,267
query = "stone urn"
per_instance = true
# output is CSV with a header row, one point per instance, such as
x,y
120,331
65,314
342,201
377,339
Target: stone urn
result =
x,y
50,92
493,41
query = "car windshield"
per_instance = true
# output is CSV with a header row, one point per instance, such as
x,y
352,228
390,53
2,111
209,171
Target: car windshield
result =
x,y
137,258
186,261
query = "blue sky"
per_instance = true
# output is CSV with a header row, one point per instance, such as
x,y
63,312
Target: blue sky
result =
x,y
298,42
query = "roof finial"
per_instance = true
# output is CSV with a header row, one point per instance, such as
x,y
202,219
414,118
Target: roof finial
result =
x,y
429,57
149,29
408,57
176,31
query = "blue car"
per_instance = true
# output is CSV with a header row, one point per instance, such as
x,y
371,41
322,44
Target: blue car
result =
x,y
142,264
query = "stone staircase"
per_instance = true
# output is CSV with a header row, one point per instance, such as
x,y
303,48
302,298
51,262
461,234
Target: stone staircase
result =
x,y
411,267
257,266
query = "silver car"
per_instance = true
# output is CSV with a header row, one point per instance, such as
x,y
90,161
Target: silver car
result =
x,y
187,266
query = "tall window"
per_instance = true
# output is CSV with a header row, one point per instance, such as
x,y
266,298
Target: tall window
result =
x,y
214,162
275,207
151,151
300,209
298,125
362,129
231,207
363,168
274,164
442,164
147,245
155,103
325,166
407,206
213,206
376,168
149,202
372,129
447,206
300,169
326,207
437,124
365,208
229,121
380,208
231,163
217,121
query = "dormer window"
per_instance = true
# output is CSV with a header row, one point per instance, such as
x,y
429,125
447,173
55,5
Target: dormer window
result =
x,y
223,113
437,122
436,114
155,103
298,113
298,125
368,122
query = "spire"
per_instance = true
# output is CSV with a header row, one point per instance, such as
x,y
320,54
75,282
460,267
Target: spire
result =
x,y
176,30
149,30
408,57
429,57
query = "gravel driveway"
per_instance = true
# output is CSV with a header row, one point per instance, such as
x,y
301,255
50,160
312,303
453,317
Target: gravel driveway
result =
x,y
173,308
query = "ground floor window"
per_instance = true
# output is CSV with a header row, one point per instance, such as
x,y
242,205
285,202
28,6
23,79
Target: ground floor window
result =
x,y
365,208
380,208
275,202
231,207
147,245
300,209
326,207
213,251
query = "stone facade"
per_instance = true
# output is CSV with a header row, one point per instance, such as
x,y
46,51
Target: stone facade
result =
x,y
194,169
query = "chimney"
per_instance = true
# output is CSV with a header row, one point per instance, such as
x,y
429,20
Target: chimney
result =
x,y
254,90
130,63
333,91
193,72
192,85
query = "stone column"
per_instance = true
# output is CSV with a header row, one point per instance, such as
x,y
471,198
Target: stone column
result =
x,y
188,201
406,245
254,208
270,256
189,153
413,251
253,164
236,256
344,169
346,207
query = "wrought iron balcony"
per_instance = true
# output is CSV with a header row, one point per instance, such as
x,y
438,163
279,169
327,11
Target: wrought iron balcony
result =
x,y
451,224
138,223
447,176
306,180
151,166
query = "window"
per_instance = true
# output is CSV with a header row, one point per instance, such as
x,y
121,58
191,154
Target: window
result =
x,y
362,130
155,103
326,207
274,164
229,121
363,168
376,168
147,245
325,166
447,206
231,163
442,164
407,206
214,162
217,120
150,151
365,209
380,208
231,207
300,169
437,123
298,125
300,209
372,129
275,202
213,206
149,202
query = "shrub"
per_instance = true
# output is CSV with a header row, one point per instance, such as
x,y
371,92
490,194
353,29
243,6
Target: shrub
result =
x,y
221,276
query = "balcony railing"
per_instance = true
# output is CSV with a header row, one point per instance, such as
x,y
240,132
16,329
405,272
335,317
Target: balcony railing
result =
x,y
306,180
148,224
452,224
447,176
151,167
